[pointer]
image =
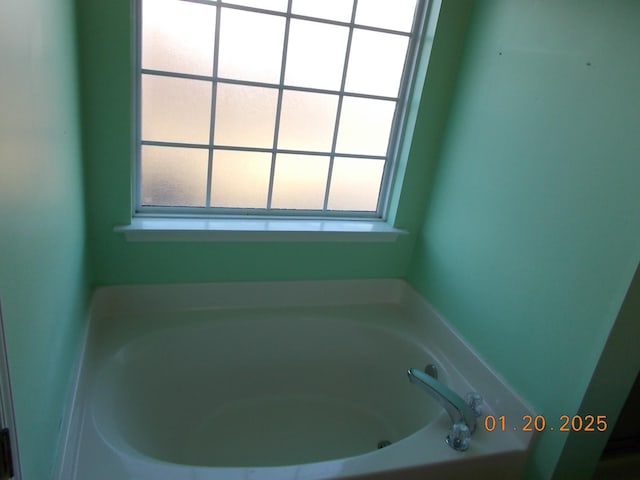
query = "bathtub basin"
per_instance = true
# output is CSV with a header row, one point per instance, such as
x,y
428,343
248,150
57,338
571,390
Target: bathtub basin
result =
x,y
262,388
284,380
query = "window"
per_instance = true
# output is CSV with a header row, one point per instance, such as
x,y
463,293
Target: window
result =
x,y
271,106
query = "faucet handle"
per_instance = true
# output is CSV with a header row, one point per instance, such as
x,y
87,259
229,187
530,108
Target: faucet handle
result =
x,y
475,401
459,437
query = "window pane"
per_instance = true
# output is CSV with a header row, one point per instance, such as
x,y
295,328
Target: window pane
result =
x,y
300,181
245,116
250,46
178,36
174,176
339,10
313,63
355,184
256,105
240,179
396,15
365,125
307,121
277,5
175,109
376,62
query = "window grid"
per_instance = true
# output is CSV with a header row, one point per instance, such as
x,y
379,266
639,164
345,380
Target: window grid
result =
x,y
212,119
215,80
336,126
253,83
276,133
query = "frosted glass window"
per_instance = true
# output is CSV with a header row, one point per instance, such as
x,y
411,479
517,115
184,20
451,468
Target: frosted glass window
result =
x,y
355,184
365,125
339,10
376,62
300,181
250,46
307,121
276,5
240,179
177,36
173,176
245,116
260,106
314,63
175,109
396,15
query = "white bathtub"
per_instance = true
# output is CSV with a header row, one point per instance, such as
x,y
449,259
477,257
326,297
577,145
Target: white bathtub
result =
x,y
282,380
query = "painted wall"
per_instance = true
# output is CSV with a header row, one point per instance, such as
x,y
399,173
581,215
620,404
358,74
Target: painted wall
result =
x,y
532,232
106,70
42,274
609,389
530,237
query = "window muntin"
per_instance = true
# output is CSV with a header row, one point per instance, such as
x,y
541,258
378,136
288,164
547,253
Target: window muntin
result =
x,y
232,120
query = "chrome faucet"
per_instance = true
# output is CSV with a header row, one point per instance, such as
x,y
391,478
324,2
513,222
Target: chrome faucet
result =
x,y
463,413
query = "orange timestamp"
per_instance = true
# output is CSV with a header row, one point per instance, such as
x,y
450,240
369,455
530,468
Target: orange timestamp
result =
x,y
538,423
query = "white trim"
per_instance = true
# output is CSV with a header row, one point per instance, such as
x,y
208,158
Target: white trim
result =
x,y
154,229
71,426
7,415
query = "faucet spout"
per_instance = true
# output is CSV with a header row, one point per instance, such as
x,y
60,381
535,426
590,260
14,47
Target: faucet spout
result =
x,y
460,412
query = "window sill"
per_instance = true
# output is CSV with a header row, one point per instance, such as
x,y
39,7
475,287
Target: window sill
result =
x,y
153,229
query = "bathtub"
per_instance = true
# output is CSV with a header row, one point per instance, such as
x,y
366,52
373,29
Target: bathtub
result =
x,y
280,380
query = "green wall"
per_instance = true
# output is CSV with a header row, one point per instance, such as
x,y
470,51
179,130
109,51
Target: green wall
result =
x,y
42,274
527,243
106,73
609,388
532,232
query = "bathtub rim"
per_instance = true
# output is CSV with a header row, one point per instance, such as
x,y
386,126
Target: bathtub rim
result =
x,y
110,301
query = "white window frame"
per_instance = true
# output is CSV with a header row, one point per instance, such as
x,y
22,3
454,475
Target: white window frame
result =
x,y
415,39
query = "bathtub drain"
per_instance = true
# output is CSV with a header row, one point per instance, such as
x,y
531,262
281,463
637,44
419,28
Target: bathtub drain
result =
x,y
383,443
